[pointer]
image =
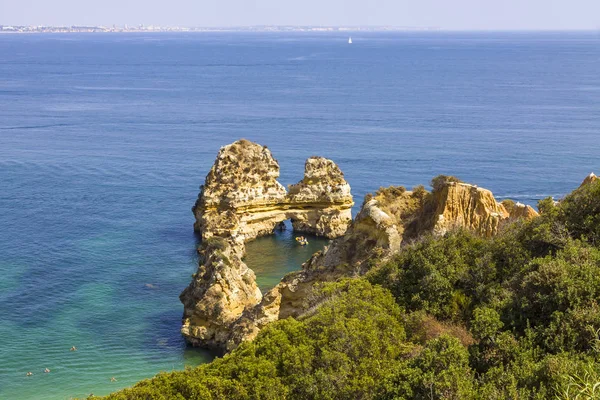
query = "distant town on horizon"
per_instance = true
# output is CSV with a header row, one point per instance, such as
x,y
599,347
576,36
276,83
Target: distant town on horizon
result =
x,y
158,28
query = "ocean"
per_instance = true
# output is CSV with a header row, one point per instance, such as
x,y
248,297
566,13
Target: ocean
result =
x,y
105,138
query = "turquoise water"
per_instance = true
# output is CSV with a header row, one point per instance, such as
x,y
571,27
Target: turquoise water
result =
x,y
104,140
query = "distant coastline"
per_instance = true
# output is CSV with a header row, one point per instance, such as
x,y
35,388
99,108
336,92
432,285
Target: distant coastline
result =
x,y
156,28
37,29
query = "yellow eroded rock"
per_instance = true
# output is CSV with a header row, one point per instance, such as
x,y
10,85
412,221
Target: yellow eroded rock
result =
x,y
467,206
240,200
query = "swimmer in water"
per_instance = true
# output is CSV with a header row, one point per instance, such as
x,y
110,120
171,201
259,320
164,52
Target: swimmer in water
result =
x,y
73,348
46,370
29,374
113,379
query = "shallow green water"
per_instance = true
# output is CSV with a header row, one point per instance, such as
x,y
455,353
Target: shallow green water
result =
x,y
100,318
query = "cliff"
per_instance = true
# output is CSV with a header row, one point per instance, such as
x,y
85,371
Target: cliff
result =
x,y
462,205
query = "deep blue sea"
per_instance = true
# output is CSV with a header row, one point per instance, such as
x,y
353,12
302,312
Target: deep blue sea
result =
x,y
105,138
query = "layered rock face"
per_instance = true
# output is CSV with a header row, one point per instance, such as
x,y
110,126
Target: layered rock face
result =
x,y
467,206
241,200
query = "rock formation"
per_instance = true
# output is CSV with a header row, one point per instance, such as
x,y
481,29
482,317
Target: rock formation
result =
x,y
241,197
372,234
242,200
320,203
218,294
522,211
467,206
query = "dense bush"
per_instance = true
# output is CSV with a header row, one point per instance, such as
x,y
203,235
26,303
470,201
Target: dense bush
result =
x,y
453,317
580,212
434,275
343,351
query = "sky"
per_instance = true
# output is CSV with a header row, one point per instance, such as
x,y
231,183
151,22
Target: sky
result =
x,y
441,14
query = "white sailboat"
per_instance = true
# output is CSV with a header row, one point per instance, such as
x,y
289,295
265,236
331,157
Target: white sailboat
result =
x,y
349,40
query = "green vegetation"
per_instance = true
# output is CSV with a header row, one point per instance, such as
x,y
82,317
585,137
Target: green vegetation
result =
x,y
509,205
454,317
440,181
216,242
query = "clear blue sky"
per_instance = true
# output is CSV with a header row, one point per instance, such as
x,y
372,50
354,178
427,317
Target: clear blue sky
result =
x,y
445,14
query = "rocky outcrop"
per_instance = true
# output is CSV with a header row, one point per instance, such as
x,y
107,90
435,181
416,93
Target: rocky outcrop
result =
x,y
467,206
240,194
523,212
241,197
320,203
240,200
220,291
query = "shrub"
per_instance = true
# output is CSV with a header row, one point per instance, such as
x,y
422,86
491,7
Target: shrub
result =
x,y
440,181
580,212
216,242
344,350
440,371
509,205
433,275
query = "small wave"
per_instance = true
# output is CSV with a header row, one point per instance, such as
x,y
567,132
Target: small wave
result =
x,y
67,107
9,128
528,196
303,58
588,88
118,88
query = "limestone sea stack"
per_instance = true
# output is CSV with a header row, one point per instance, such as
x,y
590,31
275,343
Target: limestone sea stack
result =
x,y
320,203
240,200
